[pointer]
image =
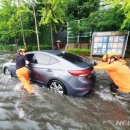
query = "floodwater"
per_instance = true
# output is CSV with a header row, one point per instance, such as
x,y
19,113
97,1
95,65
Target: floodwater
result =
x,y
51,111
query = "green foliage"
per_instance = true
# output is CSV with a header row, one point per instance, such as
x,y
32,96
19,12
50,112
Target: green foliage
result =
x,y
56,12
105,20
52,11
11,18
42,47
80,52
11,48
109,19
23,15
6,11
74,28
7,48
45,47
79,9
52,14
45,36
83,25
124,5
78,27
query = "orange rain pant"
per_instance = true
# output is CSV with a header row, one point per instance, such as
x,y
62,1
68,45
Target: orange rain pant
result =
x,y
23,75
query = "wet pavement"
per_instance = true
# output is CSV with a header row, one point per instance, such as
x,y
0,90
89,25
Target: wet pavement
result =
x,y
50,111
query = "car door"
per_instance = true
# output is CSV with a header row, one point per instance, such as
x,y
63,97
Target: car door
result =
x,y
41,69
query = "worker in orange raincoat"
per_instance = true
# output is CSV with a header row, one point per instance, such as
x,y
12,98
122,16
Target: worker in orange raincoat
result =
x,y
22,71
118,72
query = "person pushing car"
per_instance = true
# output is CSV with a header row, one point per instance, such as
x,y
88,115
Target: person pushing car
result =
x,y
22,71
118,71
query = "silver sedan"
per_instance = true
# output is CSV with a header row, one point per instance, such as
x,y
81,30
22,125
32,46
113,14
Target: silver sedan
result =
x,y
61,72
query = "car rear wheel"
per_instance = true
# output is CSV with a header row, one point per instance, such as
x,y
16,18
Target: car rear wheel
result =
x,y
7,71
57,87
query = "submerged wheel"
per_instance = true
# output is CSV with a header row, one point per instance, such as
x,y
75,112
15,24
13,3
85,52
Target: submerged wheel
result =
x,y
7,71
57,87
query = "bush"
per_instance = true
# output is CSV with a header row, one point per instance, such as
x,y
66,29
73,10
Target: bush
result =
x,y
42,47
5,48
10,48
30,48
35,48
45,47
80,52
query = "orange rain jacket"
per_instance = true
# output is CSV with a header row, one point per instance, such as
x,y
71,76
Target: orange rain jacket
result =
x,y
118,72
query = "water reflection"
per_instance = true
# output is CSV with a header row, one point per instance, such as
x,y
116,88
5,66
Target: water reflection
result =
x,y
50,111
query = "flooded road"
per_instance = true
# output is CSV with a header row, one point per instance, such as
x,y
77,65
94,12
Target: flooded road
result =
x,y
50,111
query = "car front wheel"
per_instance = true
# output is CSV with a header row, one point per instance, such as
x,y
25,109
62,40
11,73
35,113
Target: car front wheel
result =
x,y
57,87
7,71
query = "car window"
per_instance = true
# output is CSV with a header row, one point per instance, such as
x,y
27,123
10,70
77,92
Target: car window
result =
x,y
71,57
53,61
29,56
42,59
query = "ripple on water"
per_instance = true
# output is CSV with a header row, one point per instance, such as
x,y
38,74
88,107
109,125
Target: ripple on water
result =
x,y
106,95
19,125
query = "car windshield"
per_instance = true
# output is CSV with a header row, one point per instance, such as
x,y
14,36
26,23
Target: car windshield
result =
x,y
71,57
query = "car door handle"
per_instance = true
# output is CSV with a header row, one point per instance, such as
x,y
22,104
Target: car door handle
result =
x,y
49,70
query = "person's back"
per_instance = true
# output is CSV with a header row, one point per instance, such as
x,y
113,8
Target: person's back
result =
x,y
20,61
118,72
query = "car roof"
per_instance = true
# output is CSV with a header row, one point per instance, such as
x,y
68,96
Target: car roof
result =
x,y
54,52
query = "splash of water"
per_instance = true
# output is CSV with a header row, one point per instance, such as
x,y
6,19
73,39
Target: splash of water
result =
x,y
106,95
18,87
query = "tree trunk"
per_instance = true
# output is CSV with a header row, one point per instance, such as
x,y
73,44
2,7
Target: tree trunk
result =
x,y
16,43
52,42
24,42
36,28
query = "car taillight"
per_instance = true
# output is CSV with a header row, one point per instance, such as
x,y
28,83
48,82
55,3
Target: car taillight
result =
x,y
80,72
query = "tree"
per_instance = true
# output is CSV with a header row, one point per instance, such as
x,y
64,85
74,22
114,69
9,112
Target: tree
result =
x,y
21,22
32,4
123,5
105,20
10,21
52,14
6,11
22,14
78,9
